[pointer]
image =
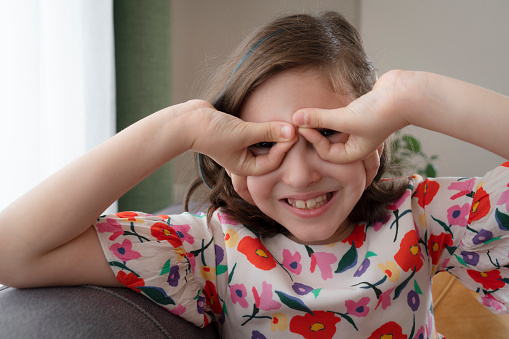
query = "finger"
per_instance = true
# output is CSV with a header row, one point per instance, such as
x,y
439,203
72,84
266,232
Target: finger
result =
x,y
337,119
268,131
240,185
262,164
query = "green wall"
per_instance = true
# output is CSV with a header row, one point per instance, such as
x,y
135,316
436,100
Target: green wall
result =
x,y
143,86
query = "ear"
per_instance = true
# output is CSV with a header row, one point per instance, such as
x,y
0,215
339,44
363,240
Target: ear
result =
x,y
240,186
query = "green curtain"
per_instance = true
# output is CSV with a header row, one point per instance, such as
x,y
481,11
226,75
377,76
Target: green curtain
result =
x,y
143,86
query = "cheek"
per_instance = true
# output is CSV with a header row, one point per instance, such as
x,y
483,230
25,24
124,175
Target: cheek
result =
x,y
260,188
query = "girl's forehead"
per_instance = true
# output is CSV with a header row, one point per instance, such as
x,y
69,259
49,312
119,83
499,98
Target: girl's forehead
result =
x,y
286,92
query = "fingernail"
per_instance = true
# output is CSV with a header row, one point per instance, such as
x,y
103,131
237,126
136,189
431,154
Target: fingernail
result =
x,y
299,118
286,132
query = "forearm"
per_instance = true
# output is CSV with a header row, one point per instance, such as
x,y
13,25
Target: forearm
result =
x,y
459,109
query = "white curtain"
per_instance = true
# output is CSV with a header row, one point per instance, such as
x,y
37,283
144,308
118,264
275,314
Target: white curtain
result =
x,y
57,87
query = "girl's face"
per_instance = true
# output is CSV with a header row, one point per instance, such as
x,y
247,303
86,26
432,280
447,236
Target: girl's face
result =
x,y
309,196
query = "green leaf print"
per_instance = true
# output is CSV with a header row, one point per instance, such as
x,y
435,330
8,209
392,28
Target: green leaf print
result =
x,y
122,266
444,225
348,260
157,294
503,220
166,268
293,302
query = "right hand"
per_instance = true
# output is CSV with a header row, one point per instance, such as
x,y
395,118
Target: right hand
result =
x,y
226,139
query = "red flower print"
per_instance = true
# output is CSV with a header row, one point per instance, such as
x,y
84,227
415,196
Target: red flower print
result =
x,y
480,205
409,254
357,236
319,325
164,232
131,216
124,251
211,297
436,244
388,330
426,191
256,253
490,280
130,280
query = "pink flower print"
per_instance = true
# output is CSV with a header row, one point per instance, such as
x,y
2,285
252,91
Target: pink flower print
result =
x,y
182,233
358,309
458,215
504,199
110,226
420,333
192,261
380,222
179,310
385,299
324,261
292,262
124,251
238,294
225,219
265,302
492,303
464,187
400,201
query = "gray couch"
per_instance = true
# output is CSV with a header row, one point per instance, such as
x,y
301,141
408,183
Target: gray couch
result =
x,y
89,312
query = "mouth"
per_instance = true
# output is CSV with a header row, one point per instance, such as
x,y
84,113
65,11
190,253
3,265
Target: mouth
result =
x,y
310,204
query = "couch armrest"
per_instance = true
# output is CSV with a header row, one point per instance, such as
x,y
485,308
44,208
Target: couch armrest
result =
x,y
89,312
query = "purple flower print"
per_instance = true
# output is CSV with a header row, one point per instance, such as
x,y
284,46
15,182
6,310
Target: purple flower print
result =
x,y
302,289
182,232
413,300
174,276
200,304
124,251
238,294
482,236
362,268
110,226
219,254
471,258
324,261
257,335
464,187
358,309
292,262
264,301
458,215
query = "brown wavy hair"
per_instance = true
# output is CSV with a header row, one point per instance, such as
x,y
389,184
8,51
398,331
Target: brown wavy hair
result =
x,y
327,43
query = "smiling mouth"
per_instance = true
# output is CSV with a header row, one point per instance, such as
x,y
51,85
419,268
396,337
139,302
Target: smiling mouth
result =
x,y
311,203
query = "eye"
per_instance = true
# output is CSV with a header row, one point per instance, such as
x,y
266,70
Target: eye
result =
x,y
261,148
334,136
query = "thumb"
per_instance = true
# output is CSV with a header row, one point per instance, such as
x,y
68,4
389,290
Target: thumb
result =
x,y
269,131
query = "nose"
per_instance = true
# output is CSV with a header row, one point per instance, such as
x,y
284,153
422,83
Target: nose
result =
x,y
300,167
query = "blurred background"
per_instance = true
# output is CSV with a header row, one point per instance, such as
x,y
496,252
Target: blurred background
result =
x,y
76,71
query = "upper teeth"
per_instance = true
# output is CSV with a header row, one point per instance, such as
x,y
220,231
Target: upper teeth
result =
x,y
308,204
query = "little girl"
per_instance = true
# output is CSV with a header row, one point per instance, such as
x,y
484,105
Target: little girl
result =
x,y
303,237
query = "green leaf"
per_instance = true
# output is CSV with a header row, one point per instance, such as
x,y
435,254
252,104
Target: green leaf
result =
x,y
293,302
166,268
350,320
230,276
417,288
316,292
461,261
400,288
431,171
502,219
157,294
443,224
371,254
348,260
412,144
221,269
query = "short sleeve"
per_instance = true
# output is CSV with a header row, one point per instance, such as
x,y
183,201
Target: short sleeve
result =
x,y
469,222
156,256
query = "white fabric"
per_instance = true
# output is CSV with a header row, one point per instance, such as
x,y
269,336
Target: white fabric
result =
x,y
57,87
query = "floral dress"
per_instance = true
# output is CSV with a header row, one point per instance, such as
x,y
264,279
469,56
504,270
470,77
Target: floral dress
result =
x,y
375,282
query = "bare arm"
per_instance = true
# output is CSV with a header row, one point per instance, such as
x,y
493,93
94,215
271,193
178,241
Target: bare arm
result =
x,y
402,98
47,235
